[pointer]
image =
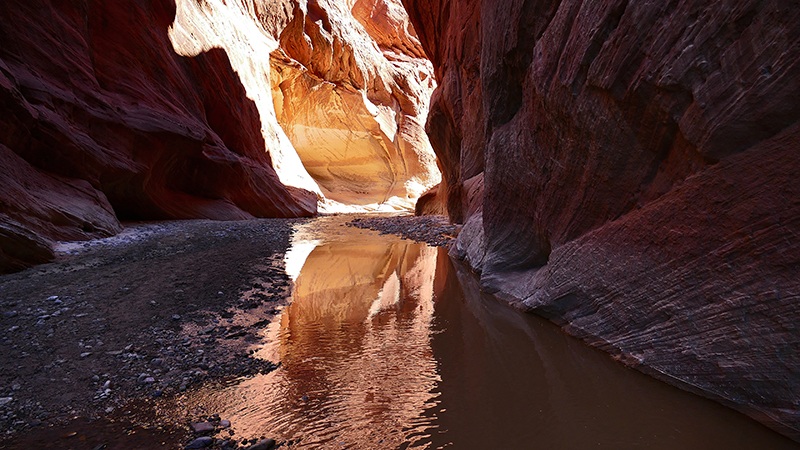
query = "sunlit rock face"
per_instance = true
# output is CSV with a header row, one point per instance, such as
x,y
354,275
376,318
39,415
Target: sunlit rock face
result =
x,y
162,109
99,111
351,84
639,166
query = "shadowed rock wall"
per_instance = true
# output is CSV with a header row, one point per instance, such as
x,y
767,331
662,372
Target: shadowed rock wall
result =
x,y
628,169
99,111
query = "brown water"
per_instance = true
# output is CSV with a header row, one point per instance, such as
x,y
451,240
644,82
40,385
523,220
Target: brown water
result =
x,y
388,344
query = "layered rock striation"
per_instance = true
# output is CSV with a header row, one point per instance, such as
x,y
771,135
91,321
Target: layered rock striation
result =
x,y
628,169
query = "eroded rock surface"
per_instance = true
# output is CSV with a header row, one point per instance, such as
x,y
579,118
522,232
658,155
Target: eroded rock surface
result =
x,y
638,163
99,110
162,109
351,86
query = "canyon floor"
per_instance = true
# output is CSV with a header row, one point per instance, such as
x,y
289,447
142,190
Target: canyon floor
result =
x,y
94,341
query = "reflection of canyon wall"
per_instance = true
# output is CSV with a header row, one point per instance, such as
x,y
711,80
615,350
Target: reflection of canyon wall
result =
x,y
354,347
364,311
351,86
630,168
344,282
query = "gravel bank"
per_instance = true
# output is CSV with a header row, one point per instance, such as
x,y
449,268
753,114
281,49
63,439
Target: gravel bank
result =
x,y
138,316
433,230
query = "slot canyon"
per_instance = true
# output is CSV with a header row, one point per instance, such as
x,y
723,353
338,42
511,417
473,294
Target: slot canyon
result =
x,y
626,170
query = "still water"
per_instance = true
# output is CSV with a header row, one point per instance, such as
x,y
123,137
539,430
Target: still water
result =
x,y
389,344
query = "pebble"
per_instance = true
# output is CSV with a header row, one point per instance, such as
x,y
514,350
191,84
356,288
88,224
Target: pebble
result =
x,y
200,442
266,444
53,297
5,400
202,427
176,317
225,423
85,354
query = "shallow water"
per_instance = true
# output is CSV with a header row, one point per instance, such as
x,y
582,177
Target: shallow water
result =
x,y
389,344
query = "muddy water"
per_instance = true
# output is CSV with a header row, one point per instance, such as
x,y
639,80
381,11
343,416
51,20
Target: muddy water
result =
x,y
388,344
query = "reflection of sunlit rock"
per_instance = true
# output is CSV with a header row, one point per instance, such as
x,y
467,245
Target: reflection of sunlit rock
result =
x,y
355,343
296,257
365,311
339,281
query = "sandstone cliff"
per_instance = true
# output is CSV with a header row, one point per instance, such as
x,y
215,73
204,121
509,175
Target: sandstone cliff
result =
x,y
351,86
155,109
629,170
99,111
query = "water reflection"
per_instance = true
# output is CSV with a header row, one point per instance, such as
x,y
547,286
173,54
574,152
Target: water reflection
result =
x,y
354,345
387,345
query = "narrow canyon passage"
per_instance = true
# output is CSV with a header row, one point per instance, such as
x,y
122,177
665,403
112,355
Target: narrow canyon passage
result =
x,y
626,170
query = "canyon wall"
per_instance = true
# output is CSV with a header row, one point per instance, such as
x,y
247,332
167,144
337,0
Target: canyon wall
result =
x,y
156,109
99,112
628,170
342,88
351,86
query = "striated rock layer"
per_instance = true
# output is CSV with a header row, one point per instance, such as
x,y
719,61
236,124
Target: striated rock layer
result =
x,y
628,169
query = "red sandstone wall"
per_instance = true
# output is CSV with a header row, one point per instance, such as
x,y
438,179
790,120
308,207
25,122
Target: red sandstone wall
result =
x,y
98,111
639,167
